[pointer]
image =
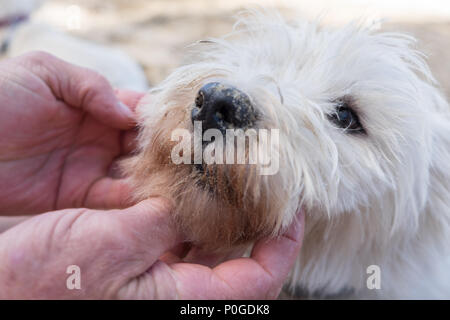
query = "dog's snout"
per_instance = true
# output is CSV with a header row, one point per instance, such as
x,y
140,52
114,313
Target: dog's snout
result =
x,y
223,107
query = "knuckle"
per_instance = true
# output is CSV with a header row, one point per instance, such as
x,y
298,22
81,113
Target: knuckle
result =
x,y
95,79
93,84
39,57
41,64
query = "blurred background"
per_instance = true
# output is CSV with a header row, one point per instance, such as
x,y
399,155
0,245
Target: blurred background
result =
x,y
155,32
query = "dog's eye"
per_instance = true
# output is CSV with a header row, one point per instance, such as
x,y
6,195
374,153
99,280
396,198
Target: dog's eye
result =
x,y
346,118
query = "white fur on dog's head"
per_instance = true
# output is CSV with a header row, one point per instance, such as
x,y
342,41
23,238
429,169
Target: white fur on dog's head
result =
x,y
366,194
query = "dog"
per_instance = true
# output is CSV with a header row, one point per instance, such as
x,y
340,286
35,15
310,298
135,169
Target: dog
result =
x,y
19,33
364,151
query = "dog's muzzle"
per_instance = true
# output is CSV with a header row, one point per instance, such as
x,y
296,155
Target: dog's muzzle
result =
x,y
219,106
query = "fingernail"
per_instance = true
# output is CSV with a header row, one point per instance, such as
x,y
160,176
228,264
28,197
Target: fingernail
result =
x,y
126,111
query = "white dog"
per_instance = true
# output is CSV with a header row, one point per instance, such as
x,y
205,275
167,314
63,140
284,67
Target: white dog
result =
x,y
364,150
20,34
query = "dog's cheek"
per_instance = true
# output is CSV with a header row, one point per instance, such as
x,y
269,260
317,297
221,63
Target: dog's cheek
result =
x,y
231,212
213,220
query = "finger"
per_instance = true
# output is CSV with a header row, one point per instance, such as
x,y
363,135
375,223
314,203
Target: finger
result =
x,y
124,244
267,253
109,247
260,276
109,193
9,222
151,229
129,98
266,269
83,89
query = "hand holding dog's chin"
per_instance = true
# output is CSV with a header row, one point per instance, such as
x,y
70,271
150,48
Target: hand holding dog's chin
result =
x,y
61,129
123,260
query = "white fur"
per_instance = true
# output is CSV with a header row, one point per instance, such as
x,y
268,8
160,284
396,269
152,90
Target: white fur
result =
x,y
380,199
17,7
114,64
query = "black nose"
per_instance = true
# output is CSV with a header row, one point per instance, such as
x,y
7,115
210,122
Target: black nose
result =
x,y
223,107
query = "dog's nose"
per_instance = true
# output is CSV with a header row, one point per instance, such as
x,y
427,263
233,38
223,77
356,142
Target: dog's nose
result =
x,y
223,107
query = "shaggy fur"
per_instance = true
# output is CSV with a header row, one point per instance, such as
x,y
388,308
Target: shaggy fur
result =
x,y
381,197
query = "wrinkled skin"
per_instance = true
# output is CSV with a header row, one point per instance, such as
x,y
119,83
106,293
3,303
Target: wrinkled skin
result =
x,y
56,135
61,129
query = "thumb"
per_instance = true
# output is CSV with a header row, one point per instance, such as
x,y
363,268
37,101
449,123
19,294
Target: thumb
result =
x,y
149,226
81,88
126,243
148,231
110,249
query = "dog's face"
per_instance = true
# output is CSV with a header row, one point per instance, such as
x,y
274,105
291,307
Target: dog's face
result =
x,y
354,123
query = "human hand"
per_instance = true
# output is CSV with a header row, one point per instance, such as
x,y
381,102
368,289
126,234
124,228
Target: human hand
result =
x,y
61,128
118,254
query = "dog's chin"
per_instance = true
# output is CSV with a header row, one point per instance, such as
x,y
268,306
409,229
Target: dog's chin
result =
x,y
218,210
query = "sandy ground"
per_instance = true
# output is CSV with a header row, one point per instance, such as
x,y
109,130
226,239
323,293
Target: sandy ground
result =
x,y
156,32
